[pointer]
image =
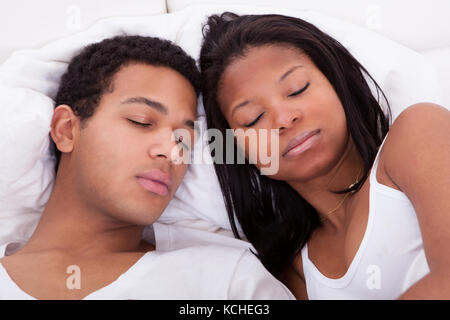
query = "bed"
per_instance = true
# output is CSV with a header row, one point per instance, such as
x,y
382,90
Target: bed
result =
x,y
408,55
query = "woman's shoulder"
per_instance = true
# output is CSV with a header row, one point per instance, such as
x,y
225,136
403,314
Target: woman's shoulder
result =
x,y
419,115
414,130
416,121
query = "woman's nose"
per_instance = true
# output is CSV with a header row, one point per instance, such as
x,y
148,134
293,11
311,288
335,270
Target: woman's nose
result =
x,y
286,118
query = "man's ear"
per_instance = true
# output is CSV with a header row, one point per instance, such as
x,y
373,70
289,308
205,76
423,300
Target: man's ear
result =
x,y
63,127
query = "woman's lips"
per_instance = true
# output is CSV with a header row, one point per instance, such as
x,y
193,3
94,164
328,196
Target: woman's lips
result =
x,y
301,143
155,181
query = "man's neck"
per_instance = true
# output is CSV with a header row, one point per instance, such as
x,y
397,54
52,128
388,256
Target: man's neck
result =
x,y
70,225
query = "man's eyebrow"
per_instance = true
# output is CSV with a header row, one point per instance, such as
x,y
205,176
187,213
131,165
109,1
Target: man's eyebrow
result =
x,y
289,72
158,106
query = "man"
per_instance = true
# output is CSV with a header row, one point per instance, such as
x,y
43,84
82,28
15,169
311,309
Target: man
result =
x,y
117,109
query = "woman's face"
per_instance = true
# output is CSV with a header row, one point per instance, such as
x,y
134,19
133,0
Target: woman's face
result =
x,y
279,87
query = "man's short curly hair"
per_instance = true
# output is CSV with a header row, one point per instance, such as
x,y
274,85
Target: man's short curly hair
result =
x,y
90,73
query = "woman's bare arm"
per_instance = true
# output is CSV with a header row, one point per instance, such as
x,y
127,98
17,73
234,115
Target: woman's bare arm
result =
x,y
418,162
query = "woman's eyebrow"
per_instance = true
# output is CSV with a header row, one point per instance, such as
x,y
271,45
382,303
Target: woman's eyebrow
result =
x,y
289,72
158,106
240,105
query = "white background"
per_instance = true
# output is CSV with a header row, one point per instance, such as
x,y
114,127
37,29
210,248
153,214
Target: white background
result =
x,y
423,26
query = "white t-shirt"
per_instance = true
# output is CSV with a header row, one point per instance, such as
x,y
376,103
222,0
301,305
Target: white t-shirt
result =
x,y
187,264
390,257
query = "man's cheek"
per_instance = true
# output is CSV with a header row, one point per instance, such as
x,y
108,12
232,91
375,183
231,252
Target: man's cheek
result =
x,y
178,175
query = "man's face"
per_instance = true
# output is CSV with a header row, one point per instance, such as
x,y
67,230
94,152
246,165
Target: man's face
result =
x,y
122,160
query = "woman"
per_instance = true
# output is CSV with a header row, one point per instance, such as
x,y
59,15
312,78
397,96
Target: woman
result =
x,y
343,217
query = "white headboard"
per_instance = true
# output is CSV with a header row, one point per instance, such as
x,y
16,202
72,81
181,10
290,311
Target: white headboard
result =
x,y
26,24
423,26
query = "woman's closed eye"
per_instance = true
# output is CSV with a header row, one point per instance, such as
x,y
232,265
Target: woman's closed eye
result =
x,y
290,95
299,91
254,121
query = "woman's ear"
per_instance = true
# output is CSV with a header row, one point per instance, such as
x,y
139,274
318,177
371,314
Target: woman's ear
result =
x,y
63,126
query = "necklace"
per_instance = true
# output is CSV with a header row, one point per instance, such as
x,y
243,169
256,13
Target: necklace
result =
x,y
342,201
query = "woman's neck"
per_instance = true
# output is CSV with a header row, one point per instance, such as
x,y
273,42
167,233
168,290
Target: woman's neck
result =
x,y
319,191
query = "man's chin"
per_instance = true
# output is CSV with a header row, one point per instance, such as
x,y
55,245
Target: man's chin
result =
x,y
139,216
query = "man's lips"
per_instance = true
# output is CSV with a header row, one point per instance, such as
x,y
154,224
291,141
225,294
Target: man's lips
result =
x,y
155,181
298,140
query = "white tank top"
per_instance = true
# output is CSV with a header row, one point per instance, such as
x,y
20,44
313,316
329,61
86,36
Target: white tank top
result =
x,y
390,258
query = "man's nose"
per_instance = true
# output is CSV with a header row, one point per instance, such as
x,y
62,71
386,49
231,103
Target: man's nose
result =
x,y
162,144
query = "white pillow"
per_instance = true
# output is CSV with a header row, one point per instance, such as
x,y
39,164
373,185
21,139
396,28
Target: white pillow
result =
x,y
29,82
441,59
